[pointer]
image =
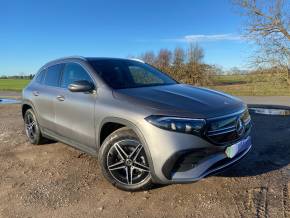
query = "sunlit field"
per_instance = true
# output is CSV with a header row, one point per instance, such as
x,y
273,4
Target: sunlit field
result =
x,y
13,84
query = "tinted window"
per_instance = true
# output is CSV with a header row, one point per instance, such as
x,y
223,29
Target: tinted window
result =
x,y
52,75
120,74
40,77
142,76
74,72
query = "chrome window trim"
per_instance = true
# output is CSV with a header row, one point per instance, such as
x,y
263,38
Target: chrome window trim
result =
x,y
66,62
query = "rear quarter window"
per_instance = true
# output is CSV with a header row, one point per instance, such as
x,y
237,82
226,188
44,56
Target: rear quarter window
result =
x,y
40,76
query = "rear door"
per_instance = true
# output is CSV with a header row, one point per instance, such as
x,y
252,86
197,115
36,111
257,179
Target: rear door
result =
x,y
44,94
74,111
36,86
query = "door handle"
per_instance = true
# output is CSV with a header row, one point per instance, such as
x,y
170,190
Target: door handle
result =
x,y
35,93
60,98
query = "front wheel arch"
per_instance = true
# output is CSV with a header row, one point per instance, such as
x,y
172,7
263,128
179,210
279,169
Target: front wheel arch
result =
x,y
137,131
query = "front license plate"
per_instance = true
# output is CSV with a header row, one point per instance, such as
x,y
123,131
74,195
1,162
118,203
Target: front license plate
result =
x,y
234,149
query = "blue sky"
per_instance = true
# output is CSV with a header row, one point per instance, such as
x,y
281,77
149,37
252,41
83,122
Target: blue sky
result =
x,y
35,32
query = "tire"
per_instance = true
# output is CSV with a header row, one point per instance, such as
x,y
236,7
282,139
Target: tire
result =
x,y
32,128
127,171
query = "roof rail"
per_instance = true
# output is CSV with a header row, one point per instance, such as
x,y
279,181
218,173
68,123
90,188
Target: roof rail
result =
x,y
136,59
63,58
73,56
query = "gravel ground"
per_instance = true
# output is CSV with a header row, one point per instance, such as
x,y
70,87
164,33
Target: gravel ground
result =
x,y
10,94
55,180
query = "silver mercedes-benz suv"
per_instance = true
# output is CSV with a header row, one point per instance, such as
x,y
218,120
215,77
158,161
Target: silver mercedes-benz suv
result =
x,y
144,126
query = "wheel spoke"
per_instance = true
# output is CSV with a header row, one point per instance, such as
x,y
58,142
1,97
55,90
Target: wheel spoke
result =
x,y
140,167
32,124
136,152
117,166
30,119
120,151
30,132
129,175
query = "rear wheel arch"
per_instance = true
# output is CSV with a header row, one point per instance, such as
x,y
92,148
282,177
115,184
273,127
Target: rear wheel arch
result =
x,y
25,107
27,104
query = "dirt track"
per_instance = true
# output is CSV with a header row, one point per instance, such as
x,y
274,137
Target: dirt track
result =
x,y
54,180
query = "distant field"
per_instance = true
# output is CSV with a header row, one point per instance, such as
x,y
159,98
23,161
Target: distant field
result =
x,y
242,85
13,84
252,84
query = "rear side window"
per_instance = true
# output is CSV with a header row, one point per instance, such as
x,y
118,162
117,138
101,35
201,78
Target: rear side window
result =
x,y
74,72
40,77
52,75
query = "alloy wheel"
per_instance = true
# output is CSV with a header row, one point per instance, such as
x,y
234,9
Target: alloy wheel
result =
x,y
30,126
127,162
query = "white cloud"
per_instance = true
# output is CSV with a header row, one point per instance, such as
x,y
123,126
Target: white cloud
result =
x,y
203,38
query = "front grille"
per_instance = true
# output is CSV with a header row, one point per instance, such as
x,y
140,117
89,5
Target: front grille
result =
x,y
228,129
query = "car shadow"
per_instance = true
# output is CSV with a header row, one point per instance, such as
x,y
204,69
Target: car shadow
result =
x,y
271,145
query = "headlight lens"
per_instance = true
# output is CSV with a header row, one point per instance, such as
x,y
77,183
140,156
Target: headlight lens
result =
x,y
184,125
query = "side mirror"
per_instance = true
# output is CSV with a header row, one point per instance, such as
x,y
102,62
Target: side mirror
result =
x,y
81,86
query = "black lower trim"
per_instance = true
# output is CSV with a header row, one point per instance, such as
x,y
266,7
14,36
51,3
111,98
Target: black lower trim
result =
x,y
218,170
180,161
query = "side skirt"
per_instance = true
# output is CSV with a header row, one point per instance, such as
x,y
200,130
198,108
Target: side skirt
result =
x,y
49,134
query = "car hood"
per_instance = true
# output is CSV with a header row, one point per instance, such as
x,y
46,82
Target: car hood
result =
x,y
181,99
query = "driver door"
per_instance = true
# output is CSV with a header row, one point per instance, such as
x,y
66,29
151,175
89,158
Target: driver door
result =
x,y
74,111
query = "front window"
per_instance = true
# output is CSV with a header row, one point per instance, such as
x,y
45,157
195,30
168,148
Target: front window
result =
x,y
122,74
74,72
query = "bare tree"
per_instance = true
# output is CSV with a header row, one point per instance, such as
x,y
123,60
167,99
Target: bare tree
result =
x,y
268,24
178,57
163,60
178,63
195,54
148,57
195,64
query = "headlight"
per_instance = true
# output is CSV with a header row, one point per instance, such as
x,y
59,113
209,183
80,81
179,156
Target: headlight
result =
x,y
184,125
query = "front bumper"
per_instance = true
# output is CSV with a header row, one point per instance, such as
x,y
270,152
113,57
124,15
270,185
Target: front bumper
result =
x,y
180,158
212,164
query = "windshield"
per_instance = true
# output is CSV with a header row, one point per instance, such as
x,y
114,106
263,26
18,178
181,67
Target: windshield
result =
x,y
122,74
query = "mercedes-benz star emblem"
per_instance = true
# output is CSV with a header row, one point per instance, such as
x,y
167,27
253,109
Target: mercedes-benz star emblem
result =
x,y
240,128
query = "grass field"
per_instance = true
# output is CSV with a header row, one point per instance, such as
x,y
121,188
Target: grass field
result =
x,y
243,85
13,84
250,85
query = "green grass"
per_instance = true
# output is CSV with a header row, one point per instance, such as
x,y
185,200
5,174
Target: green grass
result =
x,y
13,84
243,85
230,79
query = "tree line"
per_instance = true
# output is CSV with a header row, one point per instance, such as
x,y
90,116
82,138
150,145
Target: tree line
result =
x,y
22,76
185,65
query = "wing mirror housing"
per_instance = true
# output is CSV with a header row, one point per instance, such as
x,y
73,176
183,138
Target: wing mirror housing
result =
x,y
81,86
